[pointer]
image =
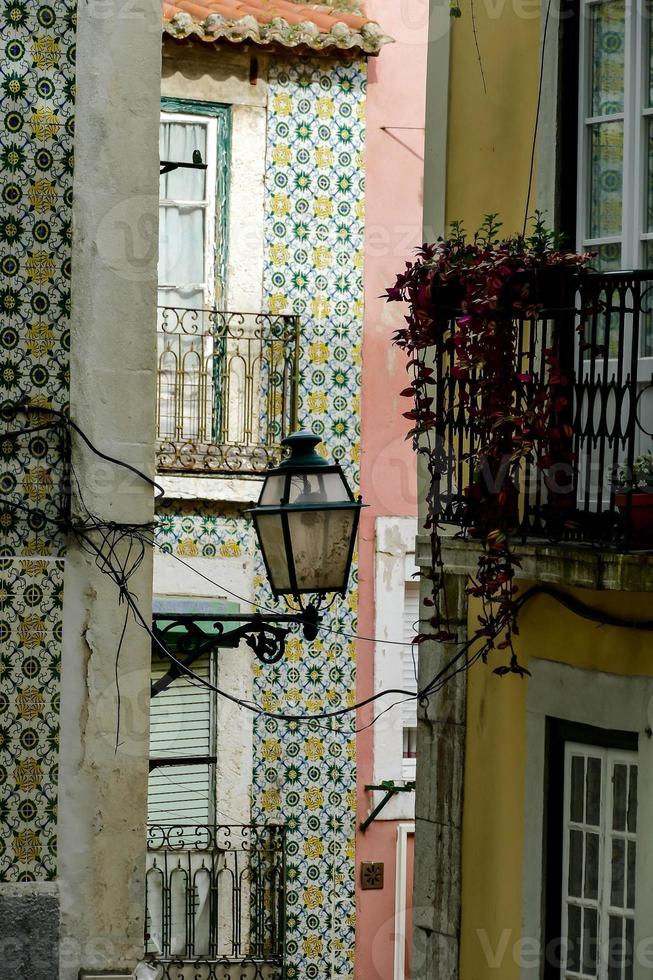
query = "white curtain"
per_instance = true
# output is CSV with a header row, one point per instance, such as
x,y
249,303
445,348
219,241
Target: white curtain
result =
x,y
182,223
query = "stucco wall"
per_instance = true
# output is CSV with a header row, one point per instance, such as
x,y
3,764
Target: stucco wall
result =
x,y
490,130
394,197
497,801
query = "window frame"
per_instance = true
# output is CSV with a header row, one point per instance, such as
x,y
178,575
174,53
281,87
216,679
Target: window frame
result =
x,y
218,163
558,734
635,115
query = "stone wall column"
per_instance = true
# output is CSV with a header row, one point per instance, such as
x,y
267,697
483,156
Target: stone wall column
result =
x,y
439,799
103,767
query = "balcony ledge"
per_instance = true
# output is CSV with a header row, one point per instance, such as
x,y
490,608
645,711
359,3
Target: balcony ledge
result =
x,y
572,564
221,489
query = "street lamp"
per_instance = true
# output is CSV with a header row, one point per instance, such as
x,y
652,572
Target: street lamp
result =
x,y
306,521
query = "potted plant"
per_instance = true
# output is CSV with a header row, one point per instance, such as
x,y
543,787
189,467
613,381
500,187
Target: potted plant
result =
x,y
634,497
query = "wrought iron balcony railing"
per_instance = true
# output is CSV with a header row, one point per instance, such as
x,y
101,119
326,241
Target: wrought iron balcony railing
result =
x,y
609,412
215,901
226,389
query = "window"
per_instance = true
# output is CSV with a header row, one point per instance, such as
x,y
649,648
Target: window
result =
x,y
182,727
591,852
615,187
187,212
192,260
409,681
184,715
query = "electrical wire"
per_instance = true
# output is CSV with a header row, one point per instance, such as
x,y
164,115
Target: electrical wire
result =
x,y
106,557
537,117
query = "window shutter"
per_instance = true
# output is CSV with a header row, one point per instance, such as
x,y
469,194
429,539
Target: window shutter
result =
x,y
180,725
409,654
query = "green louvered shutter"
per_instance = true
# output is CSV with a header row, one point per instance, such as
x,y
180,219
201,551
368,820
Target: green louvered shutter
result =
x,y
180,725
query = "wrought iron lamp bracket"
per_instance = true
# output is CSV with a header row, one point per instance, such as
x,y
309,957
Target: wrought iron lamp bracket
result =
x,y
265,634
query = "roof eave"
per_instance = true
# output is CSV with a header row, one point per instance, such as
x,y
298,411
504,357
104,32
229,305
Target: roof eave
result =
x,y
368,40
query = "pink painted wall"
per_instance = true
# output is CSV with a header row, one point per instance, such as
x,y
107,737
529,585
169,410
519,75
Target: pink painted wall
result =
x,y
394,182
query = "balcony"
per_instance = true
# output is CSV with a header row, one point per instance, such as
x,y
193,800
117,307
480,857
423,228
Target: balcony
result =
x,y
227,388
215,901
609,414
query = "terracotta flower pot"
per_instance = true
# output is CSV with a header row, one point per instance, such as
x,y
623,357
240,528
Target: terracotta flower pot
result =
x,y
639,516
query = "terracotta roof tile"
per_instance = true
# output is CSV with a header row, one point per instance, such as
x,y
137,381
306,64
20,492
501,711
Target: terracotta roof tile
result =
x,y
270,22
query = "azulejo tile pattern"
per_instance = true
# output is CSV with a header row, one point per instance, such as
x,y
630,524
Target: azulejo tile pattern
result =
x,y
305,773
37,93
31,593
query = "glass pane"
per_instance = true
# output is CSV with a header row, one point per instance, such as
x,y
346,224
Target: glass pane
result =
x,y
630,948
615,949
593,804
617,873
320,545
630,889
606,179
317,488
590,942
608,33
575,863
577,783
608,257
181,248
273,490
573,938
270,530
632,800
619,798
177,143
591,866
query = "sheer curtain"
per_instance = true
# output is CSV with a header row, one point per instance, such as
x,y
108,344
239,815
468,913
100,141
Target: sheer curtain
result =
x,y
182,279
182,217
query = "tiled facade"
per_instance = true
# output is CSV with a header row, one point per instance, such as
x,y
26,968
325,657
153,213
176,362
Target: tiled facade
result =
x,y
37,91
31,591
305,773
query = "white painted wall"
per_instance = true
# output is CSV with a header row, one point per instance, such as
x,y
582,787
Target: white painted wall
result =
x,y
103,787
394,566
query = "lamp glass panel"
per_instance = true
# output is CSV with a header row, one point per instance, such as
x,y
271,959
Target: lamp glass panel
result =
x,y
317,488
272,492
320,545
270,531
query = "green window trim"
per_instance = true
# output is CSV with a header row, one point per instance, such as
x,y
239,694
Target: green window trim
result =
x,y
222,113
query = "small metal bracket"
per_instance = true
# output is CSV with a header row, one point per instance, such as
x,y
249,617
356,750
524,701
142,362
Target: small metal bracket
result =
x,y
390,789
166,166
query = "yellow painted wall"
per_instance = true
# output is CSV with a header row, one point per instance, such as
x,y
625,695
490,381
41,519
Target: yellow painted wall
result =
x,y
495,757
490,133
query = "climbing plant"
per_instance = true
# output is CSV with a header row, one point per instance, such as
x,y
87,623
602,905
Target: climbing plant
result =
x,y
466,297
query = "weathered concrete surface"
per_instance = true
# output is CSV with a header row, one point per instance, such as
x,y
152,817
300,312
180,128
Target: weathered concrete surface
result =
x,y
567,564
439,803
103,772
29,935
